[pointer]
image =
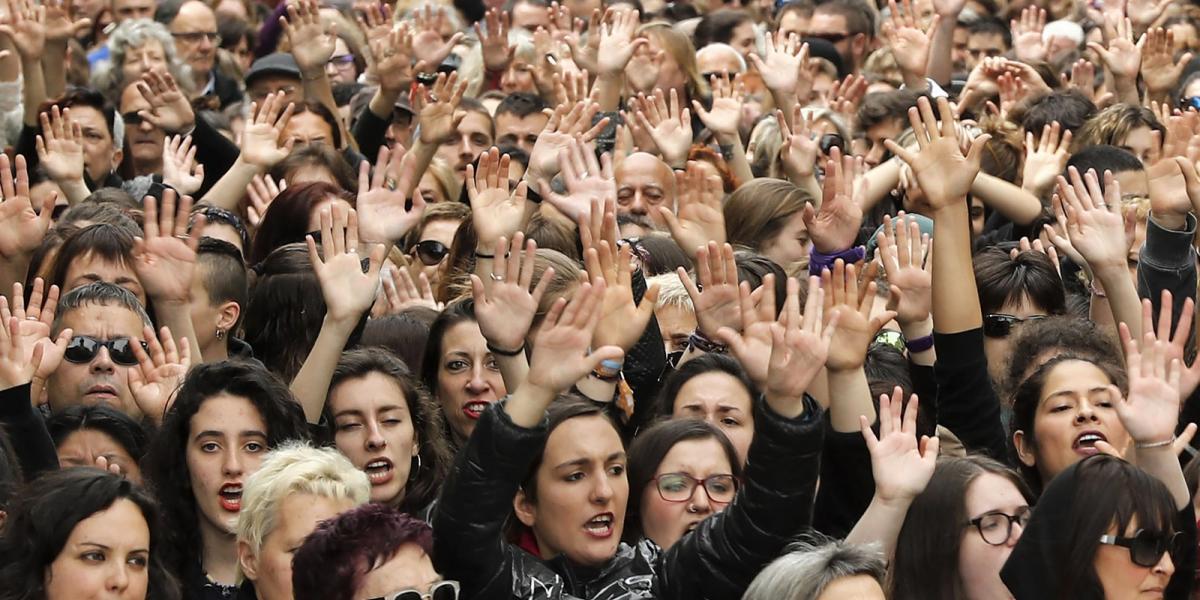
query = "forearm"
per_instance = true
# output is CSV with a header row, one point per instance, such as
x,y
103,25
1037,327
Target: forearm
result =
x,y
75,190
54,68
880,524
1122,296
1016,204
940,66
914,331
879,182
849,398
13,270
229,190
34,92
177,316
526,407
423,155
1162,464
607,90
735,157
311,385
1126,91
955,297
513,369
785,101
319,88
10,65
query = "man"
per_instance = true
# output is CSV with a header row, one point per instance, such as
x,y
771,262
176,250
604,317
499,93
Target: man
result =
x,y
219,294
104,319
144,140
850,26
644,183
277,72
883,116
519,120
719,59
529,14
987,37
475,133
194,26
296,488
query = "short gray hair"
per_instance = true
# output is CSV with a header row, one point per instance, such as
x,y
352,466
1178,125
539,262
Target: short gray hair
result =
x,y
134,33
810,565
103,294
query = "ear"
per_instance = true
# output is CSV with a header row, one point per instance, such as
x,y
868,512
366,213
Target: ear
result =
x,y
525,508
416,447
860,44
118,155
1026,452
247,560
227,315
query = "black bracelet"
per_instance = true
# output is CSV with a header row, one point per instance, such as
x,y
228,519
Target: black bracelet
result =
x,y
481,255
502,352
701,342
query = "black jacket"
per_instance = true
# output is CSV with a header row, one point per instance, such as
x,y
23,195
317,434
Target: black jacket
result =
x,y
717,560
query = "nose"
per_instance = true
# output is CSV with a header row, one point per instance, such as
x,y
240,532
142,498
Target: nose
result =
x,y
1085,412
701,500
1014,534
1165,566
102,362
638,206
232,465
375,439
602,491
477,384
118,577
874,155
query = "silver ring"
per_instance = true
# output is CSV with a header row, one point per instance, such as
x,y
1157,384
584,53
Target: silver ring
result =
x,y
31,318
183,236
496,277
390,182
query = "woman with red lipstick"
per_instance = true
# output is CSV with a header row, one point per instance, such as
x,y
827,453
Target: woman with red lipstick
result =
x,y
460,370
383,420
225,417
563,460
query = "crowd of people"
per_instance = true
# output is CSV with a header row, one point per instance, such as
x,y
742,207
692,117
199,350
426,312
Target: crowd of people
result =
x,y
599,299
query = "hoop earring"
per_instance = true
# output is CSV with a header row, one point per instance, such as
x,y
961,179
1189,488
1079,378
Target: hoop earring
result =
x,y
220,333
418,457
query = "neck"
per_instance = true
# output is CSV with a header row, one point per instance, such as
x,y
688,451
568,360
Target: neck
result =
x,y
216,351
219,554
147,167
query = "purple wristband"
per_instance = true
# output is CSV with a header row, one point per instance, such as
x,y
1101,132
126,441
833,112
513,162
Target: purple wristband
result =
x,y
818,261
920,344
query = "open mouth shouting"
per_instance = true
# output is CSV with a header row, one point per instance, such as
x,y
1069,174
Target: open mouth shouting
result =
x,y
380,471
474,409
600,526
231,497
1085,444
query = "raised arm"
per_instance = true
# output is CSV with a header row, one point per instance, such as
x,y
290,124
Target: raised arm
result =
x,y
60,153
349,293
723,120
506,308
312,43
261,150
21,226
25,27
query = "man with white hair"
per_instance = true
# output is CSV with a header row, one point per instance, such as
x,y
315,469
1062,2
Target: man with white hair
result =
x,y
719,59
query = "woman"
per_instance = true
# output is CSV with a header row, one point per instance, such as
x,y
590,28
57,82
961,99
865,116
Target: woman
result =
x,y
225,418
312,123
1129,127
316,162
460,370
566,469
84,533
285,311
1122,543
294,213
734,27
383,420
86,435
767,216
681,472
821,570
429,243
138,46
713,388
937,557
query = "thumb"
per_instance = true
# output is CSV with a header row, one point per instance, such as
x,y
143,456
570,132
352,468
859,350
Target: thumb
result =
x,y
1108,449
604,353
649,301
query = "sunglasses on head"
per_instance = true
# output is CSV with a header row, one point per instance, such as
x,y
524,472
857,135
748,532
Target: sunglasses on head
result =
x,y
998,326
83,348
445,590
430,252
1146,547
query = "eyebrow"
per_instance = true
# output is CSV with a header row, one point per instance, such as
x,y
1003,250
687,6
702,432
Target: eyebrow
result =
x,y
220,434
583,461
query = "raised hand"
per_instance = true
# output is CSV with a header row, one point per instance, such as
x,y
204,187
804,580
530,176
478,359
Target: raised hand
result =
x,y
834,226
752,345
908,268
375,20
719,304
38,316
800,346
312,40
565,124
1027,34
349,292
1045,158
698,218
497,209
165,258
393,59
943,172
261,137
170,109
61,24
1151,410
60,146
25,25
847,94
428,45
16,367
909,41
726,112
800,146
400,292
1122,57
493,41
561,353
622,321
436,109
21,227
505,309
669,127
856,327
1177,349
262,190
384,206
587,180
1095,230
1160,71
618,42
1143,13
784,66
180,169
901,464
162,366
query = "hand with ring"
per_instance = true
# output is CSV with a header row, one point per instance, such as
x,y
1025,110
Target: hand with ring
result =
x,y
505,309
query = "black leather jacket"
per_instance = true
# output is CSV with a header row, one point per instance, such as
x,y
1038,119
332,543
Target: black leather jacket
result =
x,y
716,561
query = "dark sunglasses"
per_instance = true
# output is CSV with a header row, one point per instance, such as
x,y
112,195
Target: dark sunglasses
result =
x,y
445,590
82,349
998,326
430,252
1189,102
1146,547
832,38
131,118
830,141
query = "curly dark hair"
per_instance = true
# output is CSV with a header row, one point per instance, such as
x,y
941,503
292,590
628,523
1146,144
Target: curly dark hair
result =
x,y
165,467
424,481
45,513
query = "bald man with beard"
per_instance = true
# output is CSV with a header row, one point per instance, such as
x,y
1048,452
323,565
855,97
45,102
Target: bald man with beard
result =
x,y
644,183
